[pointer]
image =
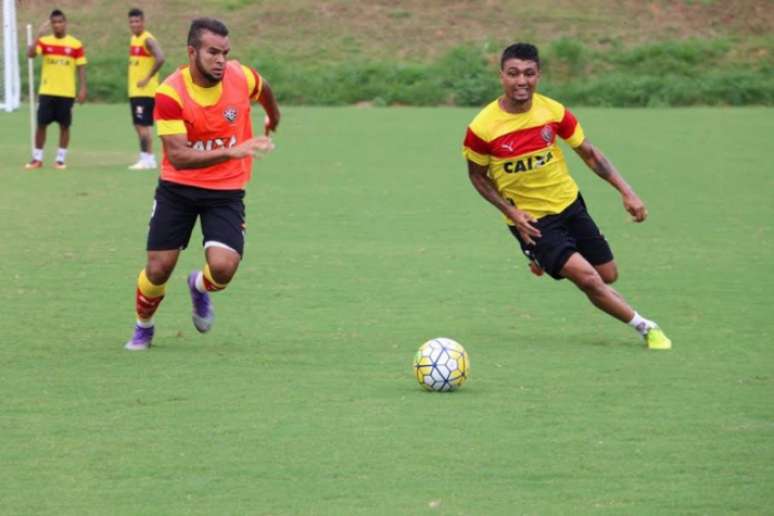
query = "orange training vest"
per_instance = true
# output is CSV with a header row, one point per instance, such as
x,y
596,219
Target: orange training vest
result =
x,y
224,124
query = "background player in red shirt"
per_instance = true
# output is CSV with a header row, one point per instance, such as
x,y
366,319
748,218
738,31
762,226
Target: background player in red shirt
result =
x,y
203,117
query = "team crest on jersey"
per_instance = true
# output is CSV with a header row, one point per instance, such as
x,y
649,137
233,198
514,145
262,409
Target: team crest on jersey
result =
x,y
68,50
231,114
547,134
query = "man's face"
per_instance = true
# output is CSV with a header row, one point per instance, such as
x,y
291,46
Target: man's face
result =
x,y
136,25
519,79
210,57
58,26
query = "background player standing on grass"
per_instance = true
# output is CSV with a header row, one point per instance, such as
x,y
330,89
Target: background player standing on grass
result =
x,y
63,55
203,119
515,163
145,61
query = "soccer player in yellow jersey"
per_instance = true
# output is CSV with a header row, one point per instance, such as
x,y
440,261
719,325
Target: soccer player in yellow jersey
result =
x,y
63,57
515,163
145,61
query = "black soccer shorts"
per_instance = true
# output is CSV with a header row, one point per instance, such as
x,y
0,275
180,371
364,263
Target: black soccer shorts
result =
x,y
142,110
55,109
572,230
176,207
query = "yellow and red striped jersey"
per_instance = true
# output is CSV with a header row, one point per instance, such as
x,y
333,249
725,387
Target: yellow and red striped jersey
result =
x,y
141,62
523,156
61,56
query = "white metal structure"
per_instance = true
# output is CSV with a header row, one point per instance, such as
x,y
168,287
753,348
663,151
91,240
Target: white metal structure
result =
x,y
10,96
31,92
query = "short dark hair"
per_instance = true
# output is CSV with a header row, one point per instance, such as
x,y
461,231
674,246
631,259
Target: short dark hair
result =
x,y
56,12
199,25
523,51
135,12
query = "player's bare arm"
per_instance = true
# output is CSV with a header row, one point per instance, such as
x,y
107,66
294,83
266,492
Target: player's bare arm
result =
x,y
158,55
82,82
43,29
183,156
598,162
269,103
481,182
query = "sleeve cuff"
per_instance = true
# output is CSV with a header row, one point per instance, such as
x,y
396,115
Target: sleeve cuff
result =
x,y
475,157
169,127
577,137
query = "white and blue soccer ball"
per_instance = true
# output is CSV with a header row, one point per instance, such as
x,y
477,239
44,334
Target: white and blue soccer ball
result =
x,y
441,364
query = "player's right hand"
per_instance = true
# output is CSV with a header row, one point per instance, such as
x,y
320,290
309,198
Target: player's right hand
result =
x,y
259,145
636,208
524,225
43,28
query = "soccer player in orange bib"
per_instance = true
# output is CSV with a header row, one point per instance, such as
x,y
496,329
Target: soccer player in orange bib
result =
x,y
515,163
63,57
145,61
203,118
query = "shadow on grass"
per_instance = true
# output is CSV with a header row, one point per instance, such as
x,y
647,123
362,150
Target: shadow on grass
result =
x,y
606,341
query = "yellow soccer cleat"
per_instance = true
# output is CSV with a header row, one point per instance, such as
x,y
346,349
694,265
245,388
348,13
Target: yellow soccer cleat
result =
x,y
657,339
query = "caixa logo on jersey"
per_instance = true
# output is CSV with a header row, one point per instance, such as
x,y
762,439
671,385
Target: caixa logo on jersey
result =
x,y
231,114
215,143
529,163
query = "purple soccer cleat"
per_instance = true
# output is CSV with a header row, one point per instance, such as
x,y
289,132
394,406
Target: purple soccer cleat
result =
x,y
141,339
203,314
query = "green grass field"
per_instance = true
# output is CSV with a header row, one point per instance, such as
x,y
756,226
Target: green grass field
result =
x,y
364,240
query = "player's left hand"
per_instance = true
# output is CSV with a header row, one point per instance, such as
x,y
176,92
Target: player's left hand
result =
x,y
254,147
81,96
142,83
269,125
636,208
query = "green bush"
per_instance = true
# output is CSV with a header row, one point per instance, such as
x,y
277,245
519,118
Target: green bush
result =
x,y
673,73
467,76
672,57
718,88
567,57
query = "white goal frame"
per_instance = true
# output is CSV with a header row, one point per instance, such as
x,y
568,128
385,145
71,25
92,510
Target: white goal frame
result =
x,y
11,98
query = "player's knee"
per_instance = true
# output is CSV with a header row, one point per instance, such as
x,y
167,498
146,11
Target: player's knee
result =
x,y
223,267
609,275
159,270
590,282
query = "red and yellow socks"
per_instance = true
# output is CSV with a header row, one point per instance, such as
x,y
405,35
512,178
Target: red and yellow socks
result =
x,y
147,299
148,296
205,282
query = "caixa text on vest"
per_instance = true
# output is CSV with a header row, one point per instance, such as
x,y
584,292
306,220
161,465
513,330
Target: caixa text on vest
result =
x,y
215,143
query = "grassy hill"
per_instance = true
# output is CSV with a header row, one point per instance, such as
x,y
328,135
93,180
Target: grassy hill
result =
x,y
434,52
